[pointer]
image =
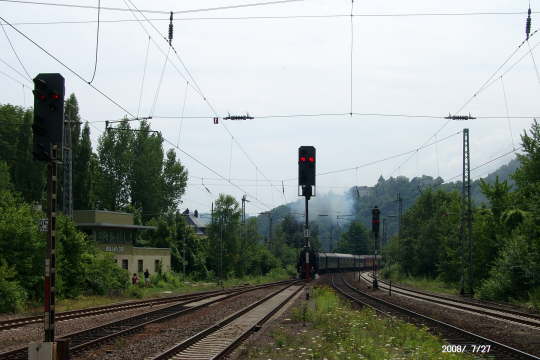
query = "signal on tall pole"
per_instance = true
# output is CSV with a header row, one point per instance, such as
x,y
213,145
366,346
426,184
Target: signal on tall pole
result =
x,y
375,222
48,130
48,126
306,187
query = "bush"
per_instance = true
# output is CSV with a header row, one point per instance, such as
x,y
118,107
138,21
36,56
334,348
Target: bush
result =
x,y
135,291
534,299
102,275
13,295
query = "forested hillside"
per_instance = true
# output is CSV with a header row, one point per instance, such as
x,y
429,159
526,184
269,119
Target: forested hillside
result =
x,y
332,214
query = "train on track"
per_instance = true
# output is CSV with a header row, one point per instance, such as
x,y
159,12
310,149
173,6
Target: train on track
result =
x,y
321,263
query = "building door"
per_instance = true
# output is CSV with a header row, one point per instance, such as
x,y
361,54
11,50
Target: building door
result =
x,y
140,266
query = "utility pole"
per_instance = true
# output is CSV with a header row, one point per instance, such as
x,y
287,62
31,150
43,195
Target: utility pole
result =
x,y
466,220
221,249
399,215
375,221
383,232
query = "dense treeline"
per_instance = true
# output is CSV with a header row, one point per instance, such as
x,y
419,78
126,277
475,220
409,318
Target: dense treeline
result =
x,y
128,171
506,233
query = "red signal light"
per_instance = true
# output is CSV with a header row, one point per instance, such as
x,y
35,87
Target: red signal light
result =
x,y
311,159
303,159
55,96
42,97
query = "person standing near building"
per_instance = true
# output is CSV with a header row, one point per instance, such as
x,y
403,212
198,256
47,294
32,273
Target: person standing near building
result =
x,y
146,277
134,279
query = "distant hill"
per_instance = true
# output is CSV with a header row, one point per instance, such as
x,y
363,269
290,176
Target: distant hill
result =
x,y
338,210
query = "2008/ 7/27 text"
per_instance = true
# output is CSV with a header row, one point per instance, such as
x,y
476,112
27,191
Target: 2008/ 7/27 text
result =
x,y
465,348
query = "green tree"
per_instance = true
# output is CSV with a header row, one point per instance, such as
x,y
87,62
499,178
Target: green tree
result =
x,y
71,111
355,240
224,237
174,181
21,245
113,187
84,176
28,175
145,175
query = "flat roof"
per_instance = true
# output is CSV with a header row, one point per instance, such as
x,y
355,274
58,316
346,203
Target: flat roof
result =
x,y
115,226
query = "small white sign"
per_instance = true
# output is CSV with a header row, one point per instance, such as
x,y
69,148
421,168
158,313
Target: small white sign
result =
x,y
43,225
306,233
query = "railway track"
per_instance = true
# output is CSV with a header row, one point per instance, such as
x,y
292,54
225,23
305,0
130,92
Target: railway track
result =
x,y
460,338
220,339
84,339
497,312
75,314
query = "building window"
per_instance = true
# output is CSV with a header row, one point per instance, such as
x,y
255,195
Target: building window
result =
x,y
124,264
140,265
157,266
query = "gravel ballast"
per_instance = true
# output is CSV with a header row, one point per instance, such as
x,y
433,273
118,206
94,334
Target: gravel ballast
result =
x,y
156,338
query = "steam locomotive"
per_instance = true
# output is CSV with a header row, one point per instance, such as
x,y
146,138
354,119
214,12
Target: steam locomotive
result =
x,y
321,263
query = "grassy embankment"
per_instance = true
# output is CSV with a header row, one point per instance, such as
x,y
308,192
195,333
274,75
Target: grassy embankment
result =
x,y
160,286
424,283
336,331
439,286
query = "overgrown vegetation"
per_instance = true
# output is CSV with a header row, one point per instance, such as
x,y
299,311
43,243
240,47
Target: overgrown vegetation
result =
x,y
335,331
506,234
129,171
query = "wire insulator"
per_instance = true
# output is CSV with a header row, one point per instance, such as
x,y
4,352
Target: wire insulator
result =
x,y
171,29
528,25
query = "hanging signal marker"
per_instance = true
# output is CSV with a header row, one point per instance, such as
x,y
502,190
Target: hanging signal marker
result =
x,y
528,24
460,117
239,117
171,29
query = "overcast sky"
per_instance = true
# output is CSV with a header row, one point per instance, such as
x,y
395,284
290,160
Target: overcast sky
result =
x,y
415,65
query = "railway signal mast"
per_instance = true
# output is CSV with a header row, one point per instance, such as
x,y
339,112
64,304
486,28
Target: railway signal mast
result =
x,y
48,129
375,222
306,188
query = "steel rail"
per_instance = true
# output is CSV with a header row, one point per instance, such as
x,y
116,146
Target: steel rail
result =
x,y
98,334
92,311
172,352
498,349
528,319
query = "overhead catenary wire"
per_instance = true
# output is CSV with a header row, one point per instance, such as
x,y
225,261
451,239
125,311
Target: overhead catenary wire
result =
x,y
534,63
482,87
182,114
511,67
29,81
352,54
15,53
97,43
485,163
279,17
156,96
11,77
195,159
226,7
67,67
487,83
143,77
140,23
383,159
120,106
197,87
507,112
